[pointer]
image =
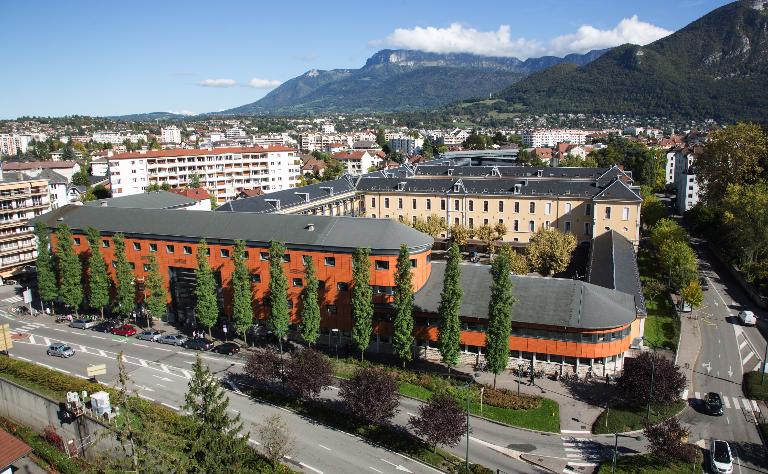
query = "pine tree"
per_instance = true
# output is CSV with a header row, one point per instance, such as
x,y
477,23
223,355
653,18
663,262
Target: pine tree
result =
x,y
402,339
98,279
216,440
449,338
362,299
206,302
157,295
242,295
70,270
279,315
310,305
125,288
46,276
499,317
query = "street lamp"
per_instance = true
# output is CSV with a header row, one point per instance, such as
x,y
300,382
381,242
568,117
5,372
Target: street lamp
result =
x,y
616,448
473,377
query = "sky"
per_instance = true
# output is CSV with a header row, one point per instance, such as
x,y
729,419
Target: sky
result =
x,y
119,57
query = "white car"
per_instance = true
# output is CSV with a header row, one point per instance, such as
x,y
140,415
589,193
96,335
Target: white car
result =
x,y
83,323
747,318
173,339
720,457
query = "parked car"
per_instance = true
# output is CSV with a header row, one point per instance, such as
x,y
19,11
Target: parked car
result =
x,y
228,348
199,344
173,339
149,336
720,457
747,318
83,323
59,349
106,326
714,403
704,283
124,330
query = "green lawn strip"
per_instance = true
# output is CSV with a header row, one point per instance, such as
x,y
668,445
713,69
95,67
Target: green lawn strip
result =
x,y
622,419
45,454
391,437
662,326
753,388
648,464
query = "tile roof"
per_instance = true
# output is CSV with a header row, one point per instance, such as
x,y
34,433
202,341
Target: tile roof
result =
x,y
33,165
350,155
150,200
548,301
497,186
11,449
197,152
618,191
333,234
291,197
198,194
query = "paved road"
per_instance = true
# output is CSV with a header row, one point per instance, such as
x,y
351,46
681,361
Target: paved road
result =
x,y
728,350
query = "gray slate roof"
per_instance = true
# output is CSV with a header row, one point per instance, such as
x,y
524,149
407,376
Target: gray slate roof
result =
x,y
151,200
289,197
512,171
618,191
547,301
613,264
342,234
52,176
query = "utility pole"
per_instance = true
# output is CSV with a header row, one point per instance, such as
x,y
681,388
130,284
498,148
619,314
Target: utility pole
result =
x,y
650,393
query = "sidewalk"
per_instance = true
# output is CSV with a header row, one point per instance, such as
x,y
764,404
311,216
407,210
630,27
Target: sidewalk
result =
x,y
688,348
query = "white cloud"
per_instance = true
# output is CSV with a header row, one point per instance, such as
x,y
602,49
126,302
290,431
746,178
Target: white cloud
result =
x,y
457,38
218,83
181,112
263,83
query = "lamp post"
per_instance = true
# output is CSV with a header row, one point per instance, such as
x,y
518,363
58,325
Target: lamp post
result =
x,y
616,449
650,392
469,382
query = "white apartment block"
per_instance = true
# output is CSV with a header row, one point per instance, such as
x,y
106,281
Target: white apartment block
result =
x,y
11,144
309,142
235,133
357,162
686,184
406,145
273,139
329,128
170,134
117,138
453,137
551,137
669,167
222,171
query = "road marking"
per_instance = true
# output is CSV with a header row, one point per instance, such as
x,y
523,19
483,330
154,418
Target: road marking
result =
x,y
169,406
373,468
755,407
312,468
47,341
726,402
727,420
165,368
147,398
749,356
188,354
573,449
583,464
325,447
697,395
746,404
186,373
735,403
97,337
573,455
163,349
397,466
23,358
31,339
57,329
743,343
143,363
575,432
757,367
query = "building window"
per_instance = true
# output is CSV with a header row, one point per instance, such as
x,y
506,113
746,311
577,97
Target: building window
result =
x,y
413,263
485,206
132,265
548,208
382,265
386,203
546,224
471,205
608,212
286,258
105,244
187,250
76,240
588,210
625,214
567,207
442,204
342,286
413,220
455,221
455,204
224,253
373,202
531,226
321,285
306,259
331,308
264,256
429,204
501,206
532,207
485,221
169,249
429,258
399,203
413,203
587,229
136,246
517,206
567,226
471,223
255,278
516,225
330,261
153,247
297,283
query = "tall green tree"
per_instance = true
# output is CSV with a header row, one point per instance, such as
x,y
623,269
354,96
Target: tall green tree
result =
x,y
310,305
279,314
402,339
216,441
46,276
194,181
125,285
499,317
449,338
242,295
157,295
70,269
206,301
362,299
98,278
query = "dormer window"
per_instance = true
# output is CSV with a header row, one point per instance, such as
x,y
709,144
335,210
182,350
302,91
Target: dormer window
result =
x,y
401,186
517,188
539,173
450,171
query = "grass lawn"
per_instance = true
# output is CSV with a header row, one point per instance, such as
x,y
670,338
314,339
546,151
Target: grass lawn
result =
x,y
645,463
662,327
753,388
621,419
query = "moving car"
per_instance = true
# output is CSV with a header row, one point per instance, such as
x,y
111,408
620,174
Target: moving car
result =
x,y
124,330
106,326
228,348
149,336
59,349
173,339
83,323
720,457
747,318
704,283
714,403
199,344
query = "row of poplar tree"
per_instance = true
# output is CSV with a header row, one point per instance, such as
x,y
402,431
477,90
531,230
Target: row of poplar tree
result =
x,y
69,287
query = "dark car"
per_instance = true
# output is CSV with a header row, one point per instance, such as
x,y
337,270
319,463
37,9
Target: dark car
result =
x,y
714,403
228,348
704,283
199,344
106,326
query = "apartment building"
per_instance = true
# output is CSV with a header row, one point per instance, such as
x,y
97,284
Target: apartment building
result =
x,y
687,185
170,134
21,198
406,145
66,169
309,142
117,138
357,162
222,171
551,137
11,144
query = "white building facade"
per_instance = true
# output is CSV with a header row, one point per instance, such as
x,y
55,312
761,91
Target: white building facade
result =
x,y
686,183
170,134
551,137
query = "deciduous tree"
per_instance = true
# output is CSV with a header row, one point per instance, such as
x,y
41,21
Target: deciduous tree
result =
x,y
665,441
460,233
635,381
206,300
310,305
242,295
264,366
667,230
125,288
449,332
441,421
549,250
276,439
98,279
499,317
679,262
745,218
402,337
370,395
308,373
279,314
692,294
157,294
362,299
46,277
518,263
70,270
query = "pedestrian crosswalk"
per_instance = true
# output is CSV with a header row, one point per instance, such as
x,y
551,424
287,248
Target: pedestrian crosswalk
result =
x,y
750,359
29,327
731,402
13,299
581,453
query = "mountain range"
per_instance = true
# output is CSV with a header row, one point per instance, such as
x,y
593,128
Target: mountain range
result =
x,y
716,67
395,80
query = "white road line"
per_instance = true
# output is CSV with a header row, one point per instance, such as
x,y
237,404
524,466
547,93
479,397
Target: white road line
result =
x,y
726,402
310,468
685,394
569,445
325,447
57,329
583,464
756,408
697,395
756,369
735,403
746,404
97,337
374,469
573,455
577,450
162,349
251,440
743,343
188,354
169,406
102,353
749,356
31,339
575,432
186,373
146,397
23,358
47,341
143,363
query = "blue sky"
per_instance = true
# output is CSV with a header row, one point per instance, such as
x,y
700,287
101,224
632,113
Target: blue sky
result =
x,y
110,57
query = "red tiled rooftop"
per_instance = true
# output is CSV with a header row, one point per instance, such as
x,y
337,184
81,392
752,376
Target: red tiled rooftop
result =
x,y
11,449
198,194
31,165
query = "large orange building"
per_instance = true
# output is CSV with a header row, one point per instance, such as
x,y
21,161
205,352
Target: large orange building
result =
x,y
562,325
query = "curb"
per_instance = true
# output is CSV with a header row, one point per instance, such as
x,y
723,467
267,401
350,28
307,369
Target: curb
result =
x,y
525,457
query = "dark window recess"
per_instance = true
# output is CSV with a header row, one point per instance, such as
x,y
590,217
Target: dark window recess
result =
x,y
297,282
224,253
331,308
76,240
342,286
330,261
105,244
169,248
255,278
153,247
264,256
382,265
413,263
286,258
136,246
187,250
306,259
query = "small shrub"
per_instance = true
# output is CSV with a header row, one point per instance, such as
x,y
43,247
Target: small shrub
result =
x,y
504,398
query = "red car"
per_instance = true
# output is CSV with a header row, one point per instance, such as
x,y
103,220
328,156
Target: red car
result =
x,y
124,330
